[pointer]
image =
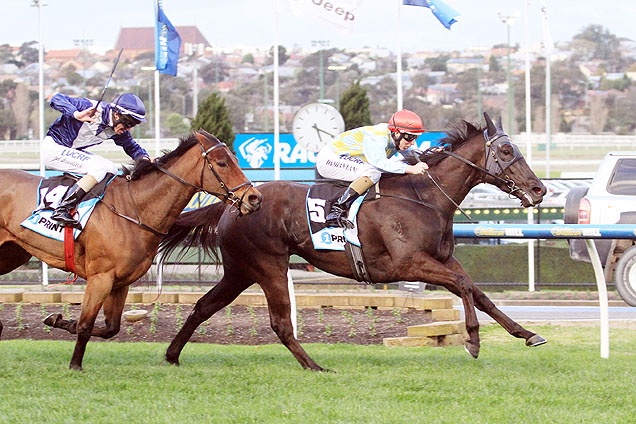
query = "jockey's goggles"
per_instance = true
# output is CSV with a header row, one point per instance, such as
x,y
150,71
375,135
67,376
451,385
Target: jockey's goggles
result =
x,y
409,137
127,120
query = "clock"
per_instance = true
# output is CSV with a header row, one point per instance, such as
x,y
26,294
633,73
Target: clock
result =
x,y
316,124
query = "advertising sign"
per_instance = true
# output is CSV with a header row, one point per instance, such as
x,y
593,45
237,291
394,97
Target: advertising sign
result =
x,y
256,151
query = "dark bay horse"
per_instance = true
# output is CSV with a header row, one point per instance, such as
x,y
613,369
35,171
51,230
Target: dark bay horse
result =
x,y
406,235
120,240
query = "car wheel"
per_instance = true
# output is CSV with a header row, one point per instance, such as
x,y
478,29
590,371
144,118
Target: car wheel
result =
x,y
626,276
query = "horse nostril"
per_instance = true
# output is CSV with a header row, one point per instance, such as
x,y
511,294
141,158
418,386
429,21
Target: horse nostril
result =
x,y
254,199
539,190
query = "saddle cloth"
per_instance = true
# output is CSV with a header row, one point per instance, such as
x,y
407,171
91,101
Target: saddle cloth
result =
x,y
320,198
50,192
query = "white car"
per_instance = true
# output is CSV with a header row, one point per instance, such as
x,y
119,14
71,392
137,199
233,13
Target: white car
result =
x,y
610,199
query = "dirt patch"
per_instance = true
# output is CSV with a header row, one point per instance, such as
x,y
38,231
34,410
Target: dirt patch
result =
x,y
235,325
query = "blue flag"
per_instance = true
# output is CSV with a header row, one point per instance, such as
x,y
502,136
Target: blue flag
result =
x,y
167,43
443,12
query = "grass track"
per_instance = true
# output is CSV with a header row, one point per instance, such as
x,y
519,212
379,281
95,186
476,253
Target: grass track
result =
x,y
564,381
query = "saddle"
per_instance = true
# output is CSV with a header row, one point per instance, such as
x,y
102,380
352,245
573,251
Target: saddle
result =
x,y
50,192
320,198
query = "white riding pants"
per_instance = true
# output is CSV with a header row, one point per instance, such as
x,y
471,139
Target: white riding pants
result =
x,y
67,159
347,168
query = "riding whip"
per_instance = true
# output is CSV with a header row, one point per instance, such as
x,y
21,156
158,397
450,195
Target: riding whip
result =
x,y
112,71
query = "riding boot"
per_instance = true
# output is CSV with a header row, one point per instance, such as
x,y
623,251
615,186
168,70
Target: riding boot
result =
x,y
62,213
337,215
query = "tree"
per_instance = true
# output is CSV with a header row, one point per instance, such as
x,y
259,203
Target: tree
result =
x,y
214,72
176,124
354,106
282,55
214,117
437,63
28,52
248,58
21,107
598,113
493,64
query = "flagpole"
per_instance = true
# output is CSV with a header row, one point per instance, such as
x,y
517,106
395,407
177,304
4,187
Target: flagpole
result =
x,y
276,119
531,277
399,58
547,44
290,281
45,267
157,148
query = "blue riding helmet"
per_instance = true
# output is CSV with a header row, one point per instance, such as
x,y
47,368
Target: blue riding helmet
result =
x,y
129,104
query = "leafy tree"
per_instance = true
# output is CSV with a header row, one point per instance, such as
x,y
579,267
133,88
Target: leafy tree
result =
x,y
7,124
28,53
493,64
6,54
282,55
214,72
177,125
73,78
354,106
604,43
437,63
214,117
248,58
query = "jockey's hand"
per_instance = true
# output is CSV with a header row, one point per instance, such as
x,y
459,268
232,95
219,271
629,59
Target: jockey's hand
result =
x,y
85,115
418,168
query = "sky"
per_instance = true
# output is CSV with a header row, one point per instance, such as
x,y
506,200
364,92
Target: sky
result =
x,y
250,23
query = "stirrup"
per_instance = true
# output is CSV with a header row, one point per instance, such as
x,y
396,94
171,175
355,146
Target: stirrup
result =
x,y
65,218
339,221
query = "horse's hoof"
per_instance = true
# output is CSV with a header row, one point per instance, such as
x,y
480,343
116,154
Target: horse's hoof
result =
x,y
472,349
535,340
73,367
172,361
52,319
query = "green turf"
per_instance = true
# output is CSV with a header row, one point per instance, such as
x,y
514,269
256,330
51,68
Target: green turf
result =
x,y
564,381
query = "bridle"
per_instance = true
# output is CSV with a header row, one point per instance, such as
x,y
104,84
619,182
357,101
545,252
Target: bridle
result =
x,y
495,167
229,196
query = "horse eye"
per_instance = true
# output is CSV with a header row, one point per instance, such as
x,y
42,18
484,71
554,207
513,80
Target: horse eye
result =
x,y
506,149
222,164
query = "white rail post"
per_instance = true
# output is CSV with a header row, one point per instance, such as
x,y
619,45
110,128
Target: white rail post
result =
x,y
602,297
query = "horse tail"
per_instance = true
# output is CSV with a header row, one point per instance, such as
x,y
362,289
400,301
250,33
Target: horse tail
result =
x,y
196,228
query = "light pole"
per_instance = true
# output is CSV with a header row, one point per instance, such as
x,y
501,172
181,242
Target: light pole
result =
x,y
509,20
38,4
321,44
337,68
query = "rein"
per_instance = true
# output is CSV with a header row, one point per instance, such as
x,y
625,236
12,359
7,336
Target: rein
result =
x,y
489,152
229,194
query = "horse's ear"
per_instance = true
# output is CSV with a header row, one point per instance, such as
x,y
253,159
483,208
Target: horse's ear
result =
x,y
207,134
492,130
500,123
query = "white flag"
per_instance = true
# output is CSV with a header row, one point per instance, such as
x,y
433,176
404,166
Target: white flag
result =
x,y
547,36
341,13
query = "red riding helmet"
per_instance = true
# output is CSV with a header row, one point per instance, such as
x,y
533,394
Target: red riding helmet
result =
x,y
406,121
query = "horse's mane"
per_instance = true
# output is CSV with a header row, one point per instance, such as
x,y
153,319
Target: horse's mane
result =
x,y
460,133
142,167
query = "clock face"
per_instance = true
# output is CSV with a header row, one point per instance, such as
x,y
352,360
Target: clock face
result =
x,y
317,124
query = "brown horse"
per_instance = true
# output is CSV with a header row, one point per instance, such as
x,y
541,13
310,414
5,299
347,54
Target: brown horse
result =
x,y
406,235
120,240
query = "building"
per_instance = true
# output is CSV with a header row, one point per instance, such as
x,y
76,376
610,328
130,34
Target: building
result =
x,y
136,41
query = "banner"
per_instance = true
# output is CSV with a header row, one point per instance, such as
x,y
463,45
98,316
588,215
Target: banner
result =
x,y
443,12
256,150
167,43
547,36
341,13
